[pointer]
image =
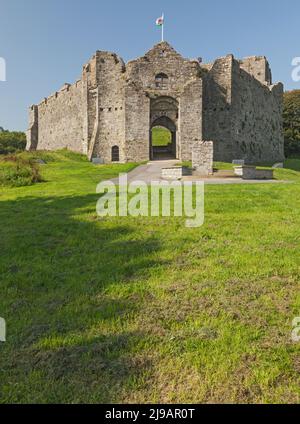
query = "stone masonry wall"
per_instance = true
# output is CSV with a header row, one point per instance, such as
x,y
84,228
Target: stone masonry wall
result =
x,y
242,111
217,107
111,105
256,119
190,118
203,157
258,67
137,124
60,120
162,58
183,86
33,130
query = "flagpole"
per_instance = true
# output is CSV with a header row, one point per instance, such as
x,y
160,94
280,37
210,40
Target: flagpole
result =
x,y
162,28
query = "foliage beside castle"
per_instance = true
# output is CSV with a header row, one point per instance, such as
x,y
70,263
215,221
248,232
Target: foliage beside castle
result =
x,y
110,112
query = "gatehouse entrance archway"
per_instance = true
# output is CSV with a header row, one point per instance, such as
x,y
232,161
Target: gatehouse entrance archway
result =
x,y
163,128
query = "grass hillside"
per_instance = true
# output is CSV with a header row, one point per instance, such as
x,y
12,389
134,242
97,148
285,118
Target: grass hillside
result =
x,y
161,137
146,310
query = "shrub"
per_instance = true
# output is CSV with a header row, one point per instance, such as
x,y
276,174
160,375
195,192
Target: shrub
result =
x,y
12,142
18,172
291,122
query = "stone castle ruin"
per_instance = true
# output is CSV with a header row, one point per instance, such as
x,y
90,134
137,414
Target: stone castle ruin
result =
x,y
110,112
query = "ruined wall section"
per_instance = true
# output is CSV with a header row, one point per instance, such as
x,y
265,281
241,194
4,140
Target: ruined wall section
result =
x,y
32,133
181,76
107,101
258,67
90,98
162,58
137,118
190,119
256,118
217,107
60,118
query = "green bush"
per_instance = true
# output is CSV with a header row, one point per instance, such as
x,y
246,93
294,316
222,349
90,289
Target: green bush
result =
x,y
18,172
291,123
12,142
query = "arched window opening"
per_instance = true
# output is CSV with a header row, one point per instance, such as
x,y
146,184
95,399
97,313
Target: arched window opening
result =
x,y
161,81
115,154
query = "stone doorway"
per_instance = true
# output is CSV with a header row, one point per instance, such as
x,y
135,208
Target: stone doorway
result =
x,y
163,129
163,140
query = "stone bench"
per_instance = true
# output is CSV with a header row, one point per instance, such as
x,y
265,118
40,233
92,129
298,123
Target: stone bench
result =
x,y
173,173
252,173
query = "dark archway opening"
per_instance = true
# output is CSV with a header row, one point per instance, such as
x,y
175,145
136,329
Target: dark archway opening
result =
x,y
115,154
163,139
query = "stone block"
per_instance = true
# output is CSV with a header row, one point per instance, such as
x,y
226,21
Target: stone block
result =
x,y
203,158
252,173
173,173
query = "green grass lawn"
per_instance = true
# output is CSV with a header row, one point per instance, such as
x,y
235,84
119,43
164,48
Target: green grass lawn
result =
x,y
145,310
161,137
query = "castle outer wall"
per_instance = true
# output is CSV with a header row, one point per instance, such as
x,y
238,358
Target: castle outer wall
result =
x,y
110,112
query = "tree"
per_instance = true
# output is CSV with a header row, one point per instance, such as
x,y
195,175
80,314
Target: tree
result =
x,y
12,142
291,122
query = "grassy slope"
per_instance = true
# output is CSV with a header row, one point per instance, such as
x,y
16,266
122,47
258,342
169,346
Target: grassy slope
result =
x,y
145,310
161,137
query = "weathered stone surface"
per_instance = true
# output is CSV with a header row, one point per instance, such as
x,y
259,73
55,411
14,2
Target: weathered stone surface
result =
x,y
231,102
203,158
252,173
174,173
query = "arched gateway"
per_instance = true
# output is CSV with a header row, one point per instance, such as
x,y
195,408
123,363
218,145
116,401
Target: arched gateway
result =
x,y
164,113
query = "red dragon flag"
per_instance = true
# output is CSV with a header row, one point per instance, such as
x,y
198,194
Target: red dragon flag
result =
x,y
160,23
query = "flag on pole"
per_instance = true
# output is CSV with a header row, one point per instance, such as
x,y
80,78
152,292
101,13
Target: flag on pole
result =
x,y
160,21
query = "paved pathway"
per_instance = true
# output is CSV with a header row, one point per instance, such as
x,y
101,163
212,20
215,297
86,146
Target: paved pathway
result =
x,y
152,172
149,172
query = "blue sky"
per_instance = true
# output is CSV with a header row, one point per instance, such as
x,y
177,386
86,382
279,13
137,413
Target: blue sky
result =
x,y
46,42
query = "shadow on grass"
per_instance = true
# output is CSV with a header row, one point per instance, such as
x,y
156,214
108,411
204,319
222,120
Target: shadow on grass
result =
x,y
293,164
71,287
